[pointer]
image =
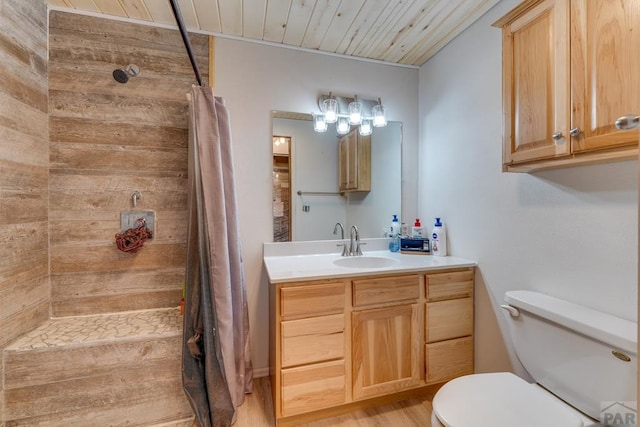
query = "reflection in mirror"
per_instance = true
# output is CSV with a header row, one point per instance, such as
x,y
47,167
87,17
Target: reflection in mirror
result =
x,y
307,202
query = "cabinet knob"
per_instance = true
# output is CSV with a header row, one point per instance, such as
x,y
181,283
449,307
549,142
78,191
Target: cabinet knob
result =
x,y
557,136
575,132
628,122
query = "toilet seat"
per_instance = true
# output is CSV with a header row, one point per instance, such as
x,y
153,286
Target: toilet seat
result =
x,y
499,400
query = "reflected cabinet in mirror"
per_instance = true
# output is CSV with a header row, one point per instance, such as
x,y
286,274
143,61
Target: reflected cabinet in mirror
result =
x,y
320,179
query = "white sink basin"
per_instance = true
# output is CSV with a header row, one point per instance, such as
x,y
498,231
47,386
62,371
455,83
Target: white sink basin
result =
x,y
365,262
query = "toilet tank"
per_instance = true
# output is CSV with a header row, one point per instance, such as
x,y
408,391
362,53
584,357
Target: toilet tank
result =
x,y
585,357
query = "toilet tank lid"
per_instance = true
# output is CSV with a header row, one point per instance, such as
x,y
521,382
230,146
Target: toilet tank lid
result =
x,y
601,326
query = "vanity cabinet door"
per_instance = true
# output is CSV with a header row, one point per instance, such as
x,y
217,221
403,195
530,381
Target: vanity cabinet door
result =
x,y
386,350
354,164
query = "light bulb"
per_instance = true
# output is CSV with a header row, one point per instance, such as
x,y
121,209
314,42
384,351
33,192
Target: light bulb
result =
x,y
365,127
355,112
343,126
379,116
319,123
330,109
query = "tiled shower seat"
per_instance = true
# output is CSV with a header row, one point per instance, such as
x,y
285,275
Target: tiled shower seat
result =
x,y
69,331
118,369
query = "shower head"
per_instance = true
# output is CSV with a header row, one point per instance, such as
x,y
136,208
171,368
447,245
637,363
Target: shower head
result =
x,y
122,75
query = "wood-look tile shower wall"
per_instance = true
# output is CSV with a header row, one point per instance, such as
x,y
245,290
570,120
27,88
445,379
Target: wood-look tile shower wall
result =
x,y
24,160
108,140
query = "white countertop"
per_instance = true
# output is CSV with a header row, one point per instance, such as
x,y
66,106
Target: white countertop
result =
x,y
290,262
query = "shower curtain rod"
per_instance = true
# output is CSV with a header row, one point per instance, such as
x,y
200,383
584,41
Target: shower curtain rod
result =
x,y
185,39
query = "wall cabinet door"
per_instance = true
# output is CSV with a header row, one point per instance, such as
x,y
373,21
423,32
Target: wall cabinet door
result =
x,y
535,83
354,162
386,350
605,76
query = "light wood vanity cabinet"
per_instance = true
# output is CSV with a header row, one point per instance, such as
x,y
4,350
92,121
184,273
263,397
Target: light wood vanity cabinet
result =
x,y
448,325
570,70
386,340
353,342
354,162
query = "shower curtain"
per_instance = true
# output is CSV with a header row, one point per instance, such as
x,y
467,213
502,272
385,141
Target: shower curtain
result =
x,y
216,360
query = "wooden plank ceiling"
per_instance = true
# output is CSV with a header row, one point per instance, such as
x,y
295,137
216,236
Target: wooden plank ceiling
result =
x,y
399,31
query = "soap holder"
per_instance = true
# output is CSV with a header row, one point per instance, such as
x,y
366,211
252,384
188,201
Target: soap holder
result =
x,y
128,220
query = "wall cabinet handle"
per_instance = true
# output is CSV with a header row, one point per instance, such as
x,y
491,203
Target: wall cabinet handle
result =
x,y
557,136
628,122
575,132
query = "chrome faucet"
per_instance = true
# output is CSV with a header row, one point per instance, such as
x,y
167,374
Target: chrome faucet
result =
x,y
354,244
345,251
335,230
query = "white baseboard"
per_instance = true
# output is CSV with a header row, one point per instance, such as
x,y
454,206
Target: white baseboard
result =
x,y
260,372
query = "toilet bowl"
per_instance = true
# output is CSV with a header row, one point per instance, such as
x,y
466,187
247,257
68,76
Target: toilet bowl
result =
x,y
501,400
580,359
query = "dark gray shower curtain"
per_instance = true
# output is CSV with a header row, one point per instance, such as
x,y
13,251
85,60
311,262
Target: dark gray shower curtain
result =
x,y
216,360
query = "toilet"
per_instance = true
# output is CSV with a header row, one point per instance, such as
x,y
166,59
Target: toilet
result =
x,y
583,362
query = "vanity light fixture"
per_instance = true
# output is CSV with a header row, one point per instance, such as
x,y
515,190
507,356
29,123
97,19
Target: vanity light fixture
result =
x,y
347,112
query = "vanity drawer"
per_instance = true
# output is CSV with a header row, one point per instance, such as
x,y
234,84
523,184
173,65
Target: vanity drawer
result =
x,y
450,285
312,340
385,289
312,387
449,319
312,300
449,359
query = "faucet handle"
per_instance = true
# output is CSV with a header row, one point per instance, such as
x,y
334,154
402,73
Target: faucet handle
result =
x,y
345,251
358,251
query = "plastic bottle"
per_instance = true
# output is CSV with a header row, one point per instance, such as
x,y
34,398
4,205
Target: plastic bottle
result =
x,y
439,239
395,226
394,234
416,230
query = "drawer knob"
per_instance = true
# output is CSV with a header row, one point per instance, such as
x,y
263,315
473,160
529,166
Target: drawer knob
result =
x,y
575,132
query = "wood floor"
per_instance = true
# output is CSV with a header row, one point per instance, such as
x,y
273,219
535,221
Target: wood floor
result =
x,y
257,411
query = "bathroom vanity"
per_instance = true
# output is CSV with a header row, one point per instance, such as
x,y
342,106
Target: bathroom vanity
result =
x,y
349,332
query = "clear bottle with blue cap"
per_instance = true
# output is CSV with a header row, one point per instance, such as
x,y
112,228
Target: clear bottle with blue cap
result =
x,y
394,233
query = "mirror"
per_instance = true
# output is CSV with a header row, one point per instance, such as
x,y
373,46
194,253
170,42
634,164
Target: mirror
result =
x,y
307,202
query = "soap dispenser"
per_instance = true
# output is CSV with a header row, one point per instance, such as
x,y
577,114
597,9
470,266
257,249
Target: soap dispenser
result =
x,y
439,239
416,230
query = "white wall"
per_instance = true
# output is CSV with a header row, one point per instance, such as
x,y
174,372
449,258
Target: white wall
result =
x,y
571,233
256,79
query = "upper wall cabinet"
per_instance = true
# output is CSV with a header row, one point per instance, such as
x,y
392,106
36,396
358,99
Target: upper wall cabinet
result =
x,y
571,68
